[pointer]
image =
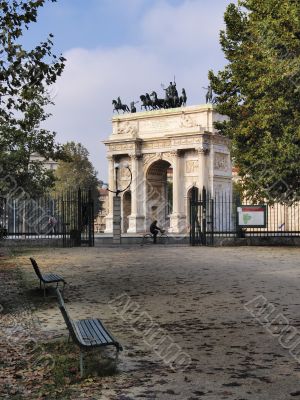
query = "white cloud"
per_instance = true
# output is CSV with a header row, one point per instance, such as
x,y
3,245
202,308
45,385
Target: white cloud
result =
x,y
180,40
188,28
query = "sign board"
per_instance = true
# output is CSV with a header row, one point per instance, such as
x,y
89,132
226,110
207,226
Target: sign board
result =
x,y
252,216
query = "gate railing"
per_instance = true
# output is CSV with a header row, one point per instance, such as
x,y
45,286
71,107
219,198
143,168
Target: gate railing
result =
x,y
216,216
68,218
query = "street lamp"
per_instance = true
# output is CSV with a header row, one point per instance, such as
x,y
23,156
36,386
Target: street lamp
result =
x,y
117,166
117,202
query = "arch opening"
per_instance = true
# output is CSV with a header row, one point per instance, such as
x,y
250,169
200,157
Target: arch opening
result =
x,y
193,193
159,193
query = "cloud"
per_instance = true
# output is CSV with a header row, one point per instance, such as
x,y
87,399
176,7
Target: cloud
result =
x,y
181,40
190,27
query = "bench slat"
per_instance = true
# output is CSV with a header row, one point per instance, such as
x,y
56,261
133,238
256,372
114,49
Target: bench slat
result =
x,y
85,334
92,332
104,331
81,334
96,327
52,278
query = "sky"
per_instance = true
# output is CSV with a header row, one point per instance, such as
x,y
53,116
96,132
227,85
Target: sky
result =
x,y
125,48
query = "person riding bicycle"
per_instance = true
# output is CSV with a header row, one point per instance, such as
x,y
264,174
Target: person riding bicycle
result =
x,y
154,229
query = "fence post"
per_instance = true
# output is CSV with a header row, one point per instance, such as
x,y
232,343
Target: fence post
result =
x,y
204,216
239,231
193,205
91,219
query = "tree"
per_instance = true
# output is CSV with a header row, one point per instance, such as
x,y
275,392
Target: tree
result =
x,y
259,90
76,173
25,76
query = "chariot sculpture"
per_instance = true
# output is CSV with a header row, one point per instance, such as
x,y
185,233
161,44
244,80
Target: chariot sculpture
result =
x,y
153,102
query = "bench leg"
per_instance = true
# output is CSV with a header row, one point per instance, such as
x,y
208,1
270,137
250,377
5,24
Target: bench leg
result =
x,y
81,364
116,358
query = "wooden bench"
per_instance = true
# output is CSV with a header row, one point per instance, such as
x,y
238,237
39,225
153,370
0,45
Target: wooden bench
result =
x,y
47,278
87,333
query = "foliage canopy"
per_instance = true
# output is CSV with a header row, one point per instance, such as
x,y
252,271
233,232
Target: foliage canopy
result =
x,y
259,90
25,78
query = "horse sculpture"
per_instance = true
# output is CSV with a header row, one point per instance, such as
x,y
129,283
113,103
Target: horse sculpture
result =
x,y
146,102
152,102
119,106
209,95
157,103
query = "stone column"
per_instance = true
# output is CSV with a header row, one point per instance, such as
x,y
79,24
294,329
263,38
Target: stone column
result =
x,y
111,185
203,151
177,219
136,219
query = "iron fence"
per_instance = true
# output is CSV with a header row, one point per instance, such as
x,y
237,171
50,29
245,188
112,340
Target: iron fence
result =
x,y
68,218
217,216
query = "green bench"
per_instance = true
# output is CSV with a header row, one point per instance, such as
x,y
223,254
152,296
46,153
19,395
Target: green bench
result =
x,y
87,334
47,278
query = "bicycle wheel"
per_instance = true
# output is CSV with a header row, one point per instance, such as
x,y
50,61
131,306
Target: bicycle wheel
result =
x,y
147,239
163,239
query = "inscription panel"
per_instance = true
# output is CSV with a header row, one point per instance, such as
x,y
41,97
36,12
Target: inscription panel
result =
x,y
159,124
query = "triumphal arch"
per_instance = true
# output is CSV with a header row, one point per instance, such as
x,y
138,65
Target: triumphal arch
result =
x,y
170,153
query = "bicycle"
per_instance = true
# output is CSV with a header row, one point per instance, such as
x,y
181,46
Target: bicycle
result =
x,y
161,238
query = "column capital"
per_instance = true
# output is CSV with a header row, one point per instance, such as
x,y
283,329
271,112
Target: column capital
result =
x,y
110,157
176,152
204,149
135,156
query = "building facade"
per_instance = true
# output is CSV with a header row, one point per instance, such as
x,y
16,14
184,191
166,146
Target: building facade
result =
x,y
170,153
100,223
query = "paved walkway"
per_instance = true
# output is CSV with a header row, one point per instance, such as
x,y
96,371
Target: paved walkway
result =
x,y
196,297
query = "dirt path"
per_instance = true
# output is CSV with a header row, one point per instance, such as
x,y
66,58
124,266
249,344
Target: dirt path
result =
x,y
191,297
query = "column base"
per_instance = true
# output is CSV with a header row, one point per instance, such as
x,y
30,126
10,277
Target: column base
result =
x,y
136,224
178,223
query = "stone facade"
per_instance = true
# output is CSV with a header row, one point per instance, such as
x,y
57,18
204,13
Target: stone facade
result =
x,y
152,143
100,223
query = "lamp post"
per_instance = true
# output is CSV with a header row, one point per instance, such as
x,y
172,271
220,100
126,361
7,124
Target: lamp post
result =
x,y
117,202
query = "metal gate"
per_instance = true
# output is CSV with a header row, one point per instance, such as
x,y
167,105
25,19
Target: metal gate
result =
x,y
78,219
64,220
214,218
201,219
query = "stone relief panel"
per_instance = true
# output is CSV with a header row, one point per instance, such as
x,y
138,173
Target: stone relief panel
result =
x,y
219,140
124,174
186,121
191,166
186,141
157,144
121,146
221,162
128,128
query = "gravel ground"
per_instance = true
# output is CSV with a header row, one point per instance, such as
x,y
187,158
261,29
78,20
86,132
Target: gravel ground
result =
x,y
193,297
